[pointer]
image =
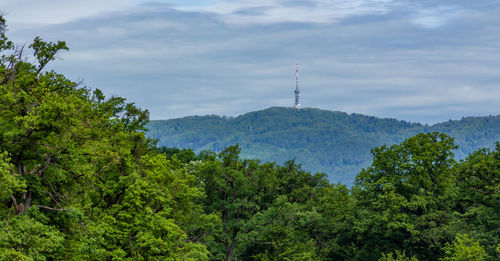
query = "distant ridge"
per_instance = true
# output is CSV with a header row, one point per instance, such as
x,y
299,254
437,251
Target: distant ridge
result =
x,y
333,142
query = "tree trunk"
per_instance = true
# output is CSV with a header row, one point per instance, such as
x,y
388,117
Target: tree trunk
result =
x,y
230,249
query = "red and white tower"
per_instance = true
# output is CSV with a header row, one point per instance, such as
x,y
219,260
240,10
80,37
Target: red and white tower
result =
x,y
297,92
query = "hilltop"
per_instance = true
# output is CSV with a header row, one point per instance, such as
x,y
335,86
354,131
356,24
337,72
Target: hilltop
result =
x,y
332,142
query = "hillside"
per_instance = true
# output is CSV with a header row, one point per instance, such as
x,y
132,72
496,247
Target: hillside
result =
x,y
336,143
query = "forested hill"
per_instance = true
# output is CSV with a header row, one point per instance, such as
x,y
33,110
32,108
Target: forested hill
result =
x,y
336,143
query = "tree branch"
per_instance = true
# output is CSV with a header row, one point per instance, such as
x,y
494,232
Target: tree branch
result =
x,y
54,209
53,198
44,167
14,201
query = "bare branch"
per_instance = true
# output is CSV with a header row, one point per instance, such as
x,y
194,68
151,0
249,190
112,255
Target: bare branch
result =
x,y
44,167
84,227
14,201
53,198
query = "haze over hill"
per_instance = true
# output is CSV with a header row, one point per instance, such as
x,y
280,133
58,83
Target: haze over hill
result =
x,y
336,143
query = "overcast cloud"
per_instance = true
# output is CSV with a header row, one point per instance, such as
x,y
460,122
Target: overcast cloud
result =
x,y
424,61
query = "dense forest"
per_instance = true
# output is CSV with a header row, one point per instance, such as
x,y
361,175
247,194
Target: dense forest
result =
x,y
80,180
335,143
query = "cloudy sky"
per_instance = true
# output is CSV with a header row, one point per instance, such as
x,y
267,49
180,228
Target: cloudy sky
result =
x,y
422,61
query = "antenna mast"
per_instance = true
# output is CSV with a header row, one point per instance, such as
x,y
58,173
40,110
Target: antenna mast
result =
x,y
297,92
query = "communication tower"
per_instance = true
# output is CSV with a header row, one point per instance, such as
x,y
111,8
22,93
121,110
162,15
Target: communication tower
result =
x,y
297,92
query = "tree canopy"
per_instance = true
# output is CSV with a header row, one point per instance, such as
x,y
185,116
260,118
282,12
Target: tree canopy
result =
x,y
80,180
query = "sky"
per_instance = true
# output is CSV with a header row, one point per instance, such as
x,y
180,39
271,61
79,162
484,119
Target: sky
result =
x,y
420,61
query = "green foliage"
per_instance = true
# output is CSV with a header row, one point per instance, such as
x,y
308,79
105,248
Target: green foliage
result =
x,y
24,238
183,155
12,255
262,208
335,143
45,52
231,190
144,222
398,256
464,248
403,197
281,232
9,183
334,229
79,180
478,197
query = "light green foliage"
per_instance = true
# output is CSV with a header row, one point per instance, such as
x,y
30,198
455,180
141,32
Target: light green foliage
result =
x,y
23,238
45,52
464,248
42,115
139,207
13,255
10,182
79,179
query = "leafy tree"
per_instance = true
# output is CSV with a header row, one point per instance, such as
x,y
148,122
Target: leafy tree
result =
x,y
79,179
231,186
464,248
266,210
281,232
333,232
478,197
403,198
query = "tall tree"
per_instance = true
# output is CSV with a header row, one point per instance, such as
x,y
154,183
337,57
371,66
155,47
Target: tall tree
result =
x,y
232,189
404,200
478,198
79,178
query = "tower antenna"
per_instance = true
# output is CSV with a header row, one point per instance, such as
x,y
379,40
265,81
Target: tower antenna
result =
x,y
297,92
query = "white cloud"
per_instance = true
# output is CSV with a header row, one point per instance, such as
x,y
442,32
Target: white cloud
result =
x,y
275,11
436,17
58,11
178,63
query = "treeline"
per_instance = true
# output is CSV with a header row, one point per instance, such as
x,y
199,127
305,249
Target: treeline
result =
x,y
335,143
79,180
415,202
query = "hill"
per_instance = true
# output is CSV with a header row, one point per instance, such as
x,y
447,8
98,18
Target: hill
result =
x,y
336,143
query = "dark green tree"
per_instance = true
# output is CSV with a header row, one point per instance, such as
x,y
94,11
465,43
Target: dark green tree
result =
x,y
232,190
403,199
267,211
478,198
